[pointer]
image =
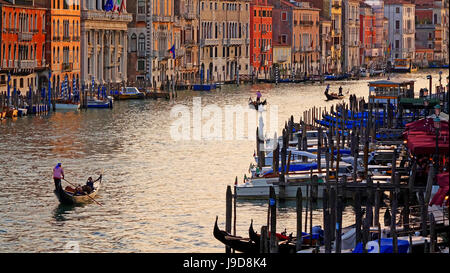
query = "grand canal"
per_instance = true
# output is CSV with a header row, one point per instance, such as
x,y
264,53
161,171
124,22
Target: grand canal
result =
x,y
159,194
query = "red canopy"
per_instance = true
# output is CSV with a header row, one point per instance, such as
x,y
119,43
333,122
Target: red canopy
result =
x,y
439,197
421,138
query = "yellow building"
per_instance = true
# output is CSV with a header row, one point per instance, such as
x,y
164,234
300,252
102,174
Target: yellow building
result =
x,y
282,59
336,36
163,63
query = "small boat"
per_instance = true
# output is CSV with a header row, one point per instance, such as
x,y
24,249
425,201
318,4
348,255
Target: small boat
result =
x,y
129,93
62,104
245,245
256,104
67,196
204,87
286,245
363,72
95,103
333,96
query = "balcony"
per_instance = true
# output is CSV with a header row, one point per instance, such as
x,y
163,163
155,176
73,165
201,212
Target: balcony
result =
x,y
66,39
306,23
209,42
190,15
306,49
236,41
180,52
66,67
27,64
76,38
189,43
25,36
56,38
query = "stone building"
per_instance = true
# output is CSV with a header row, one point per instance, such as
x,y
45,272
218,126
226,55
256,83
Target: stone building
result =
x,y
400,14
103,44
351,41
224,40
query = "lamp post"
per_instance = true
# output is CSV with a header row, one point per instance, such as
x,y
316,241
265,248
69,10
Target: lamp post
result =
x,y
430,90
437,126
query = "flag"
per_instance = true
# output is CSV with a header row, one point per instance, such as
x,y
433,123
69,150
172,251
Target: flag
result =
x,y
117,5
123,6
172,50
109,5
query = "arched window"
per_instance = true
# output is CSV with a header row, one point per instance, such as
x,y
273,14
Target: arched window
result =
x,y
141,45
133,44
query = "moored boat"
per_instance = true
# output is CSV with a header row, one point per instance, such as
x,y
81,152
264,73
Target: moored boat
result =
x,y
245,245
129,93
95,103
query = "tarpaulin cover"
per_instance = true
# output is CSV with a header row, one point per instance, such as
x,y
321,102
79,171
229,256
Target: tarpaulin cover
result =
x,y
439,197
385,247
297,167
421,137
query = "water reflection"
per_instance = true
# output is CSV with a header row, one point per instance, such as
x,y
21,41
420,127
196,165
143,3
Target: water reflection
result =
x,y
158,195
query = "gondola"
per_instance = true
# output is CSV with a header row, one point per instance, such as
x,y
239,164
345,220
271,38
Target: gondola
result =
x,y
333,96
66,196
256,104
237,243
287,243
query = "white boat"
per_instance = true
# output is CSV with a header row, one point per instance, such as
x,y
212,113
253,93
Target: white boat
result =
x,y
260,187
363,72
67,106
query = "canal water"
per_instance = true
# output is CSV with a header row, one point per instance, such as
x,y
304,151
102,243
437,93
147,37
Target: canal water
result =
x,y
159,194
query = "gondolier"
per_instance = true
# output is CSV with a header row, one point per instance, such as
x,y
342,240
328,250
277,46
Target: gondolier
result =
x,y
58,174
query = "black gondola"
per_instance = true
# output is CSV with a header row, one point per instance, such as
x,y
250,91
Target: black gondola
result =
x,y
237,243
66,197
256,104
333,96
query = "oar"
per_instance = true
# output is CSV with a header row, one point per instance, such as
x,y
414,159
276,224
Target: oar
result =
x,y
86,194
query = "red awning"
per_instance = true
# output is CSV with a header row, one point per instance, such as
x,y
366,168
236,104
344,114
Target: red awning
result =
x,y
421,137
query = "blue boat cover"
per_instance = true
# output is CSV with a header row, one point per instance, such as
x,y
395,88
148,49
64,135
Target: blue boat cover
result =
x,y
297,167
386,246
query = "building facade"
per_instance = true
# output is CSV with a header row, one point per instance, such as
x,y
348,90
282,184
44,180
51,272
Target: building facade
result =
x,y
187,52
63,47
139,60
22,46
326,44
162,39
224,40
261,54
431,23
104,42
306,42
367,35
351,28
282,36
400,14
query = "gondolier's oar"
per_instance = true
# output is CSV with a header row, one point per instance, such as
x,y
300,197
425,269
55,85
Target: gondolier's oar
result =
x,y
86,194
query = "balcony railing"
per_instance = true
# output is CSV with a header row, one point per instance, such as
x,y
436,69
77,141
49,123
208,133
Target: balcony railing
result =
x,y
141,18
25,36
27,64
66,38
56,38
189,43
408,31
209,42
306,23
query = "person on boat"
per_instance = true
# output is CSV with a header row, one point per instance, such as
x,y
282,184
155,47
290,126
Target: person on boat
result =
x,y
79,190
58,174
340,91
327,89
258,96
90,184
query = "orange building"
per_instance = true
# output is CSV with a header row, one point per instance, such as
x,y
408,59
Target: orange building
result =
x,y
63,40
22,50
261,37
